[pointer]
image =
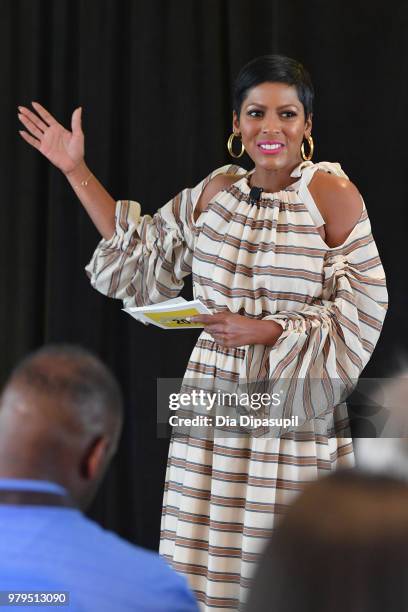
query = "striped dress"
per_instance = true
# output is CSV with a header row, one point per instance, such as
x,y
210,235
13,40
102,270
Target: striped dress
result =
x,y
264,260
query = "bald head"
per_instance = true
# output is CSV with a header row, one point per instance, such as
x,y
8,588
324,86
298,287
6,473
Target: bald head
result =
x,y
60,419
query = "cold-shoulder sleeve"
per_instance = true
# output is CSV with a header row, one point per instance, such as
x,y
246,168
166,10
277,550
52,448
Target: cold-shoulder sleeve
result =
x,y
325,345
336,334
147,257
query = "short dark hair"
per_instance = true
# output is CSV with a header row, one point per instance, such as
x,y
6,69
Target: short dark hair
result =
x,y
72,376
274,69
343,545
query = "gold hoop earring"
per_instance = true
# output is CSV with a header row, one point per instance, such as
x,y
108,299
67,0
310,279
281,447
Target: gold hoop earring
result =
x,y
311,149
229,146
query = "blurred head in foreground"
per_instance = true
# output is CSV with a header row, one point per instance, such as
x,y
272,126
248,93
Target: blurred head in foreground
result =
x,y
342,547
60,420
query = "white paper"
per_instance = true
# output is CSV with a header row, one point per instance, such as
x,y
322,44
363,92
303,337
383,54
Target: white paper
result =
x,y
161,314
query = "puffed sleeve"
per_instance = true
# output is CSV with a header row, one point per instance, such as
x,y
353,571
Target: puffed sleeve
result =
x,y
325,345
147,257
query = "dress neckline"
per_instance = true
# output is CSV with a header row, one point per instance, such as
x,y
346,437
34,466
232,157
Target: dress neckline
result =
x,y
296,173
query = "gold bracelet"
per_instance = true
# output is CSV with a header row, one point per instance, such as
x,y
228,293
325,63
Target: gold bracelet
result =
x,y
84,183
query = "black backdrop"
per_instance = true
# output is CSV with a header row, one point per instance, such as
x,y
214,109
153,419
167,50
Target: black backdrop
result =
x,y
154,79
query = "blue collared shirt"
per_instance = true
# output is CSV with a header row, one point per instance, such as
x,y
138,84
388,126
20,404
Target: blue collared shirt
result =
x,y
53,545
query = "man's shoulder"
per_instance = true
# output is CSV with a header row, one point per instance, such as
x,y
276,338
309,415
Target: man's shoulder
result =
x,y
100,567
124,551
132,572
124,555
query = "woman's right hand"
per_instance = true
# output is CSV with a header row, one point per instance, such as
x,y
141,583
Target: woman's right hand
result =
x,y
61,147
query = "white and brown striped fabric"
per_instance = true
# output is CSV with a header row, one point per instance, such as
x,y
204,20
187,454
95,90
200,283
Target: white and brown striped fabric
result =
x,y
264,261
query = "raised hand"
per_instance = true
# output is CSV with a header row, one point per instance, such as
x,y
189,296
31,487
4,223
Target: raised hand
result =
x,y
61,147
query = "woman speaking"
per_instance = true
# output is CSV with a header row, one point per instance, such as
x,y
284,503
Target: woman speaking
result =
x,y
284,258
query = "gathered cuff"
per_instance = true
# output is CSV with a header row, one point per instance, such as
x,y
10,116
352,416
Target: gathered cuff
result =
x,y
127,217
290,323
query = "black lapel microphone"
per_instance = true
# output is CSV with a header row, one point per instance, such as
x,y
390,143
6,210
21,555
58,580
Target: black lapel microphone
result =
x,y
255,195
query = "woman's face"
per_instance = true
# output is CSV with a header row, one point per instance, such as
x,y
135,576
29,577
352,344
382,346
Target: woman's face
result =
x,y
272,125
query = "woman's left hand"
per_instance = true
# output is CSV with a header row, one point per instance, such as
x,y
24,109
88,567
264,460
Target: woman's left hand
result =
x,y
231,330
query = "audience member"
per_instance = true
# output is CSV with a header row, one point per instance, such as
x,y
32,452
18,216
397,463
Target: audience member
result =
x,y
341,547
60,422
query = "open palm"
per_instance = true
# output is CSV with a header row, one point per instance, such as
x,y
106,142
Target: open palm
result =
x,y
61,147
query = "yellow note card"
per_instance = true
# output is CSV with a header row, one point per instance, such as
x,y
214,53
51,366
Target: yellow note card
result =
x,y
175,319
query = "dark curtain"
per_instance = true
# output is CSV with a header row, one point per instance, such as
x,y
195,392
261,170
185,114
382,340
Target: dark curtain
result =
x,y
154,78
